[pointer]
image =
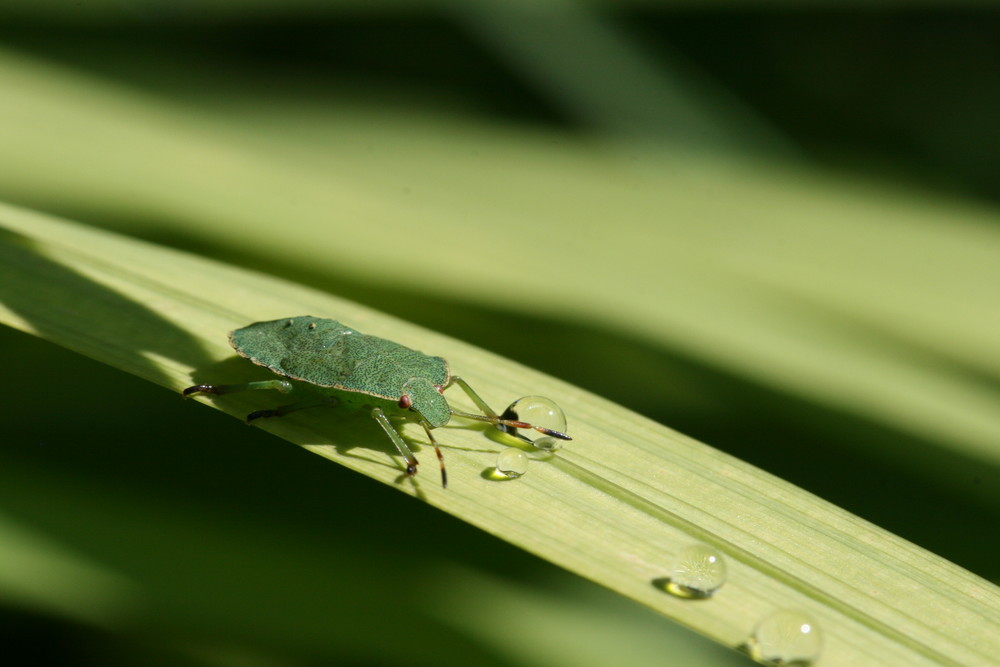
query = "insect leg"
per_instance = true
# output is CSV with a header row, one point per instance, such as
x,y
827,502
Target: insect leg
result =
x,y
437,450
476,398
283,410
492,417
397,439
284,386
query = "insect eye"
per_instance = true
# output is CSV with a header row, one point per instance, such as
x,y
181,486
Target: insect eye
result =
x,y
405,401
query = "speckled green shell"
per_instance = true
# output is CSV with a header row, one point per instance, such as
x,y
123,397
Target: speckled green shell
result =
x,y
326,353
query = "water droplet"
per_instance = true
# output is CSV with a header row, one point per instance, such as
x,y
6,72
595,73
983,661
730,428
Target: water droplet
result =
x,y
547,443
697,572
512,462
786,637
537,411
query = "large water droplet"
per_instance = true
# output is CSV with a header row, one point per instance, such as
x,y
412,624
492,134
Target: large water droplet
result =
x,y
697,572
537,411
786,637
512,462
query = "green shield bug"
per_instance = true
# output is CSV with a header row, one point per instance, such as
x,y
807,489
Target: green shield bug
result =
x,y
323,362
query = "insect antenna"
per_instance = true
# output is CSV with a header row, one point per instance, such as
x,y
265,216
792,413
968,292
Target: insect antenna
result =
x,y
492,417
513,423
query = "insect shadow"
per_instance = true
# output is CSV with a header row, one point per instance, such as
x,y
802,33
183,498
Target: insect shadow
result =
x,y
324,422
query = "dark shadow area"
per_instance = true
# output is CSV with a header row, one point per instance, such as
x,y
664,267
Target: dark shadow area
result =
x,y
888,92
432,60
34,639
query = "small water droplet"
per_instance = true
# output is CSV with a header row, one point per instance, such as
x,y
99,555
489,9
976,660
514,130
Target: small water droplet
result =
x,y
547,443
697,572
786,637
537,411
512,462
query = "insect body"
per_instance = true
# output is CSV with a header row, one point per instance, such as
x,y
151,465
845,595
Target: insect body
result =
x,y
324,362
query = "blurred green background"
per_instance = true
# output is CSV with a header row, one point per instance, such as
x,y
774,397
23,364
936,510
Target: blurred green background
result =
x,y
140,530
